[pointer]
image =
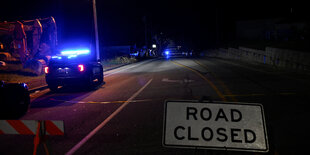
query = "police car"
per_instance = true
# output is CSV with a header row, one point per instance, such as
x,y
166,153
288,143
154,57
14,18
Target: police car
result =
x,y
73,67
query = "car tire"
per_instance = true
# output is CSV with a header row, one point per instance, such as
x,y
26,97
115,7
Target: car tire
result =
x,y
89,81
24,104
100,78
53,87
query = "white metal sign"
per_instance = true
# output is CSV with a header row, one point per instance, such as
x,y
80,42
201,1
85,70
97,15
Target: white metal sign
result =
x,y
223,126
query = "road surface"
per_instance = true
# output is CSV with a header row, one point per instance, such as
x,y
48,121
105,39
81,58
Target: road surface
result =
x,y
125,115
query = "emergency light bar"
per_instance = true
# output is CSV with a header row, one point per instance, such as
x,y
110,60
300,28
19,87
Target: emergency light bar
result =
x,y
56,57
75,52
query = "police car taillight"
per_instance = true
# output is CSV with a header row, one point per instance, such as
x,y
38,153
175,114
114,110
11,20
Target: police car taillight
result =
x,y
81,68
46,70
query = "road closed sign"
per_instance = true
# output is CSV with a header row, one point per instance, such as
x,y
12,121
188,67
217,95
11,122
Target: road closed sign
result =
x,y
220,126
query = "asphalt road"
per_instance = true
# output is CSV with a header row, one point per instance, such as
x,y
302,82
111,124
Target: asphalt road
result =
x,y
125,115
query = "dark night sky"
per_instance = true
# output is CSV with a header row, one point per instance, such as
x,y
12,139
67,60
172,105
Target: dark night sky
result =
x,y
120,21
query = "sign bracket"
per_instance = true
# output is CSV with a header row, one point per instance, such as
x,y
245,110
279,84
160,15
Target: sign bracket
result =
x,y
41,138
205,99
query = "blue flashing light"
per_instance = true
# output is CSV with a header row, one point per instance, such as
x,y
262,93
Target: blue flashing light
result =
x,y
72,56
134,54
25,85
75,52
167,54
56,57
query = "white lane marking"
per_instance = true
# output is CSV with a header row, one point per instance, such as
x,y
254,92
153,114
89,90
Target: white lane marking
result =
x,y
96,102
177,81
102,124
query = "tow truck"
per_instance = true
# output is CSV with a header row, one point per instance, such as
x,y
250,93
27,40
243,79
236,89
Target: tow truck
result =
x,y
73,67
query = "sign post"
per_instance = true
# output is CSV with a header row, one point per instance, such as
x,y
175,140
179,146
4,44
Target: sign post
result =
x,y
96,30
215,125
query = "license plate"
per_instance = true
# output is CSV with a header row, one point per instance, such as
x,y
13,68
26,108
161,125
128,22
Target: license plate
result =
x,y
63,70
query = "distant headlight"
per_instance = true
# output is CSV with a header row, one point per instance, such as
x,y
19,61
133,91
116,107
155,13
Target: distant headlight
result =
x,y
56,57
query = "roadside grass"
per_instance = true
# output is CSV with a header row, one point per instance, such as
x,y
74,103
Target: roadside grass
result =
x,y
118,61
14,72
16,78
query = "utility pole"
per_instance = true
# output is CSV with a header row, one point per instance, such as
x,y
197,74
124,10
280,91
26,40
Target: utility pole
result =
x,y
217,27
145,30
96,30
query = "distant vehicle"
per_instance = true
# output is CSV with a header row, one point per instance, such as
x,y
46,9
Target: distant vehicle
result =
x,y
14,99
73,67
175,53
134,53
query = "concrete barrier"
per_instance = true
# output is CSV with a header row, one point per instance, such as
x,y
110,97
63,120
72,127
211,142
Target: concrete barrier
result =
x,y
281,58
290,59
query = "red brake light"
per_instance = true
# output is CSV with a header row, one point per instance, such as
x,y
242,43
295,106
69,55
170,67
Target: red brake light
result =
x,y
46,70
81,68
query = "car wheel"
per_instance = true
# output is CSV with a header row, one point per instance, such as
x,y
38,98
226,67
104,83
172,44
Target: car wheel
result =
x,y
90,81
100,78
21,103
53,87
24,104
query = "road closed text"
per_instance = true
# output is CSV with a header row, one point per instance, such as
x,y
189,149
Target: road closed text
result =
x,y
229,126
208,133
